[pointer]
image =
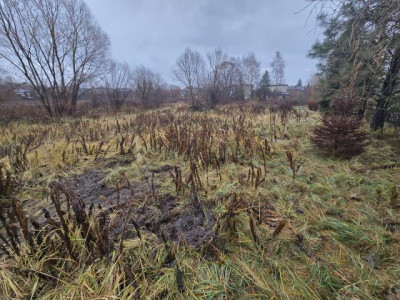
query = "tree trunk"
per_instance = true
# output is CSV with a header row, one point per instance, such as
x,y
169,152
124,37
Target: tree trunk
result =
x,y
362,108
194,102
73,101
379,118
388,89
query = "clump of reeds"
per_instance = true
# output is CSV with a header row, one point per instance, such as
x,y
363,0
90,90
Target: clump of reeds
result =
x,y
7,183
394,198
293,163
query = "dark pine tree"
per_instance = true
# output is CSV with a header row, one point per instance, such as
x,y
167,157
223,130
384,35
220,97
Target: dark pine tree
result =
x,y
263,90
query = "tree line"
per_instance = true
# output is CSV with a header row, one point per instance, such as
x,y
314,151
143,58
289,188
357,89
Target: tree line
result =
x,y
59,48
218,77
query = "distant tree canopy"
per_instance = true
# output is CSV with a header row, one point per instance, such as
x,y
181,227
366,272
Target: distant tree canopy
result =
x,y
278,68
360,54
217,77
189,70
251,69
117,84
146,84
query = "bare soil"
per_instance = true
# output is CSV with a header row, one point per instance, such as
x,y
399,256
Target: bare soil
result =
x,y
189,222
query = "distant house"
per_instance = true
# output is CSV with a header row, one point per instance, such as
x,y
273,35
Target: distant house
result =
x,y
284,91
280,90
240,92
295,88
25,91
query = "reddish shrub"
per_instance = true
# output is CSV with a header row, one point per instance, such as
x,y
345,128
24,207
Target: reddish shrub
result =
x,y
340,133
312,105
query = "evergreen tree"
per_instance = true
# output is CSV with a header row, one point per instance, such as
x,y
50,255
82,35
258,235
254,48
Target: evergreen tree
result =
x,y
360,54
263,90
340,133
299,83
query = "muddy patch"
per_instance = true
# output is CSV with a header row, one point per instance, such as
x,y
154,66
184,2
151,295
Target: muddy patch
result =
x,y
186,222
193,226
93,188
190,223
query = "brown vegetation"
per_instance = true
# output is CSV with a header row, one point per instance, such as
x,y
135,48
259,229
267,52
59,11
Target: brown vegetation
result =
x,y
341,133
132,204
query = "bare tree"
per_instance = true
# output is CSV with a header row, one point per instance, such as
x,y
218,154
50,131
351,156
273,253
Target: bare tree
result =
x,y
117,84
231,79
146,84
213,84
251,69
55,44
189,70
278,68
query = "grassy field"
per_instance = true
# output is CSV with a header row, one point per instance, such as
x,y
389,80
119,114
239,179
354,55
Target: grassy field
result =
x,y
232,203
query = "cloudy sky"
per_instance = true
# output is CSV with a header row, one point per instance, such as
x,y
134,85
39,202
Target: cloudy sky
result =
x,y
155,32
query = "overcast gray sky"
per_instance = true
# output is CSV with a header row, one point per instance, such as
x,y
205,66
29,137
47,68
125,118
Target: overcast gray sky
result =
x,y
155,32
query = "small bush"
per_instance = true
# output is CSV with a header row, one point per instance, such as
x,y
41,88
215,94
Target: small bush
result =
x,y
312,105
340,133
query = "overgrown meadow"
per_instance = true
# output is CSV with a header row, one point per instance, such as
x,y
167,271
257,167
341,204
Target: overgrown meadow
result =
x,y
231,203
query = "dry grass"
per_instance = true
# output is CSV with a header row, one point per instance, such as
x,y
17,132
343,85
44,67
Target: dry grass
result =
x,y
286,222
